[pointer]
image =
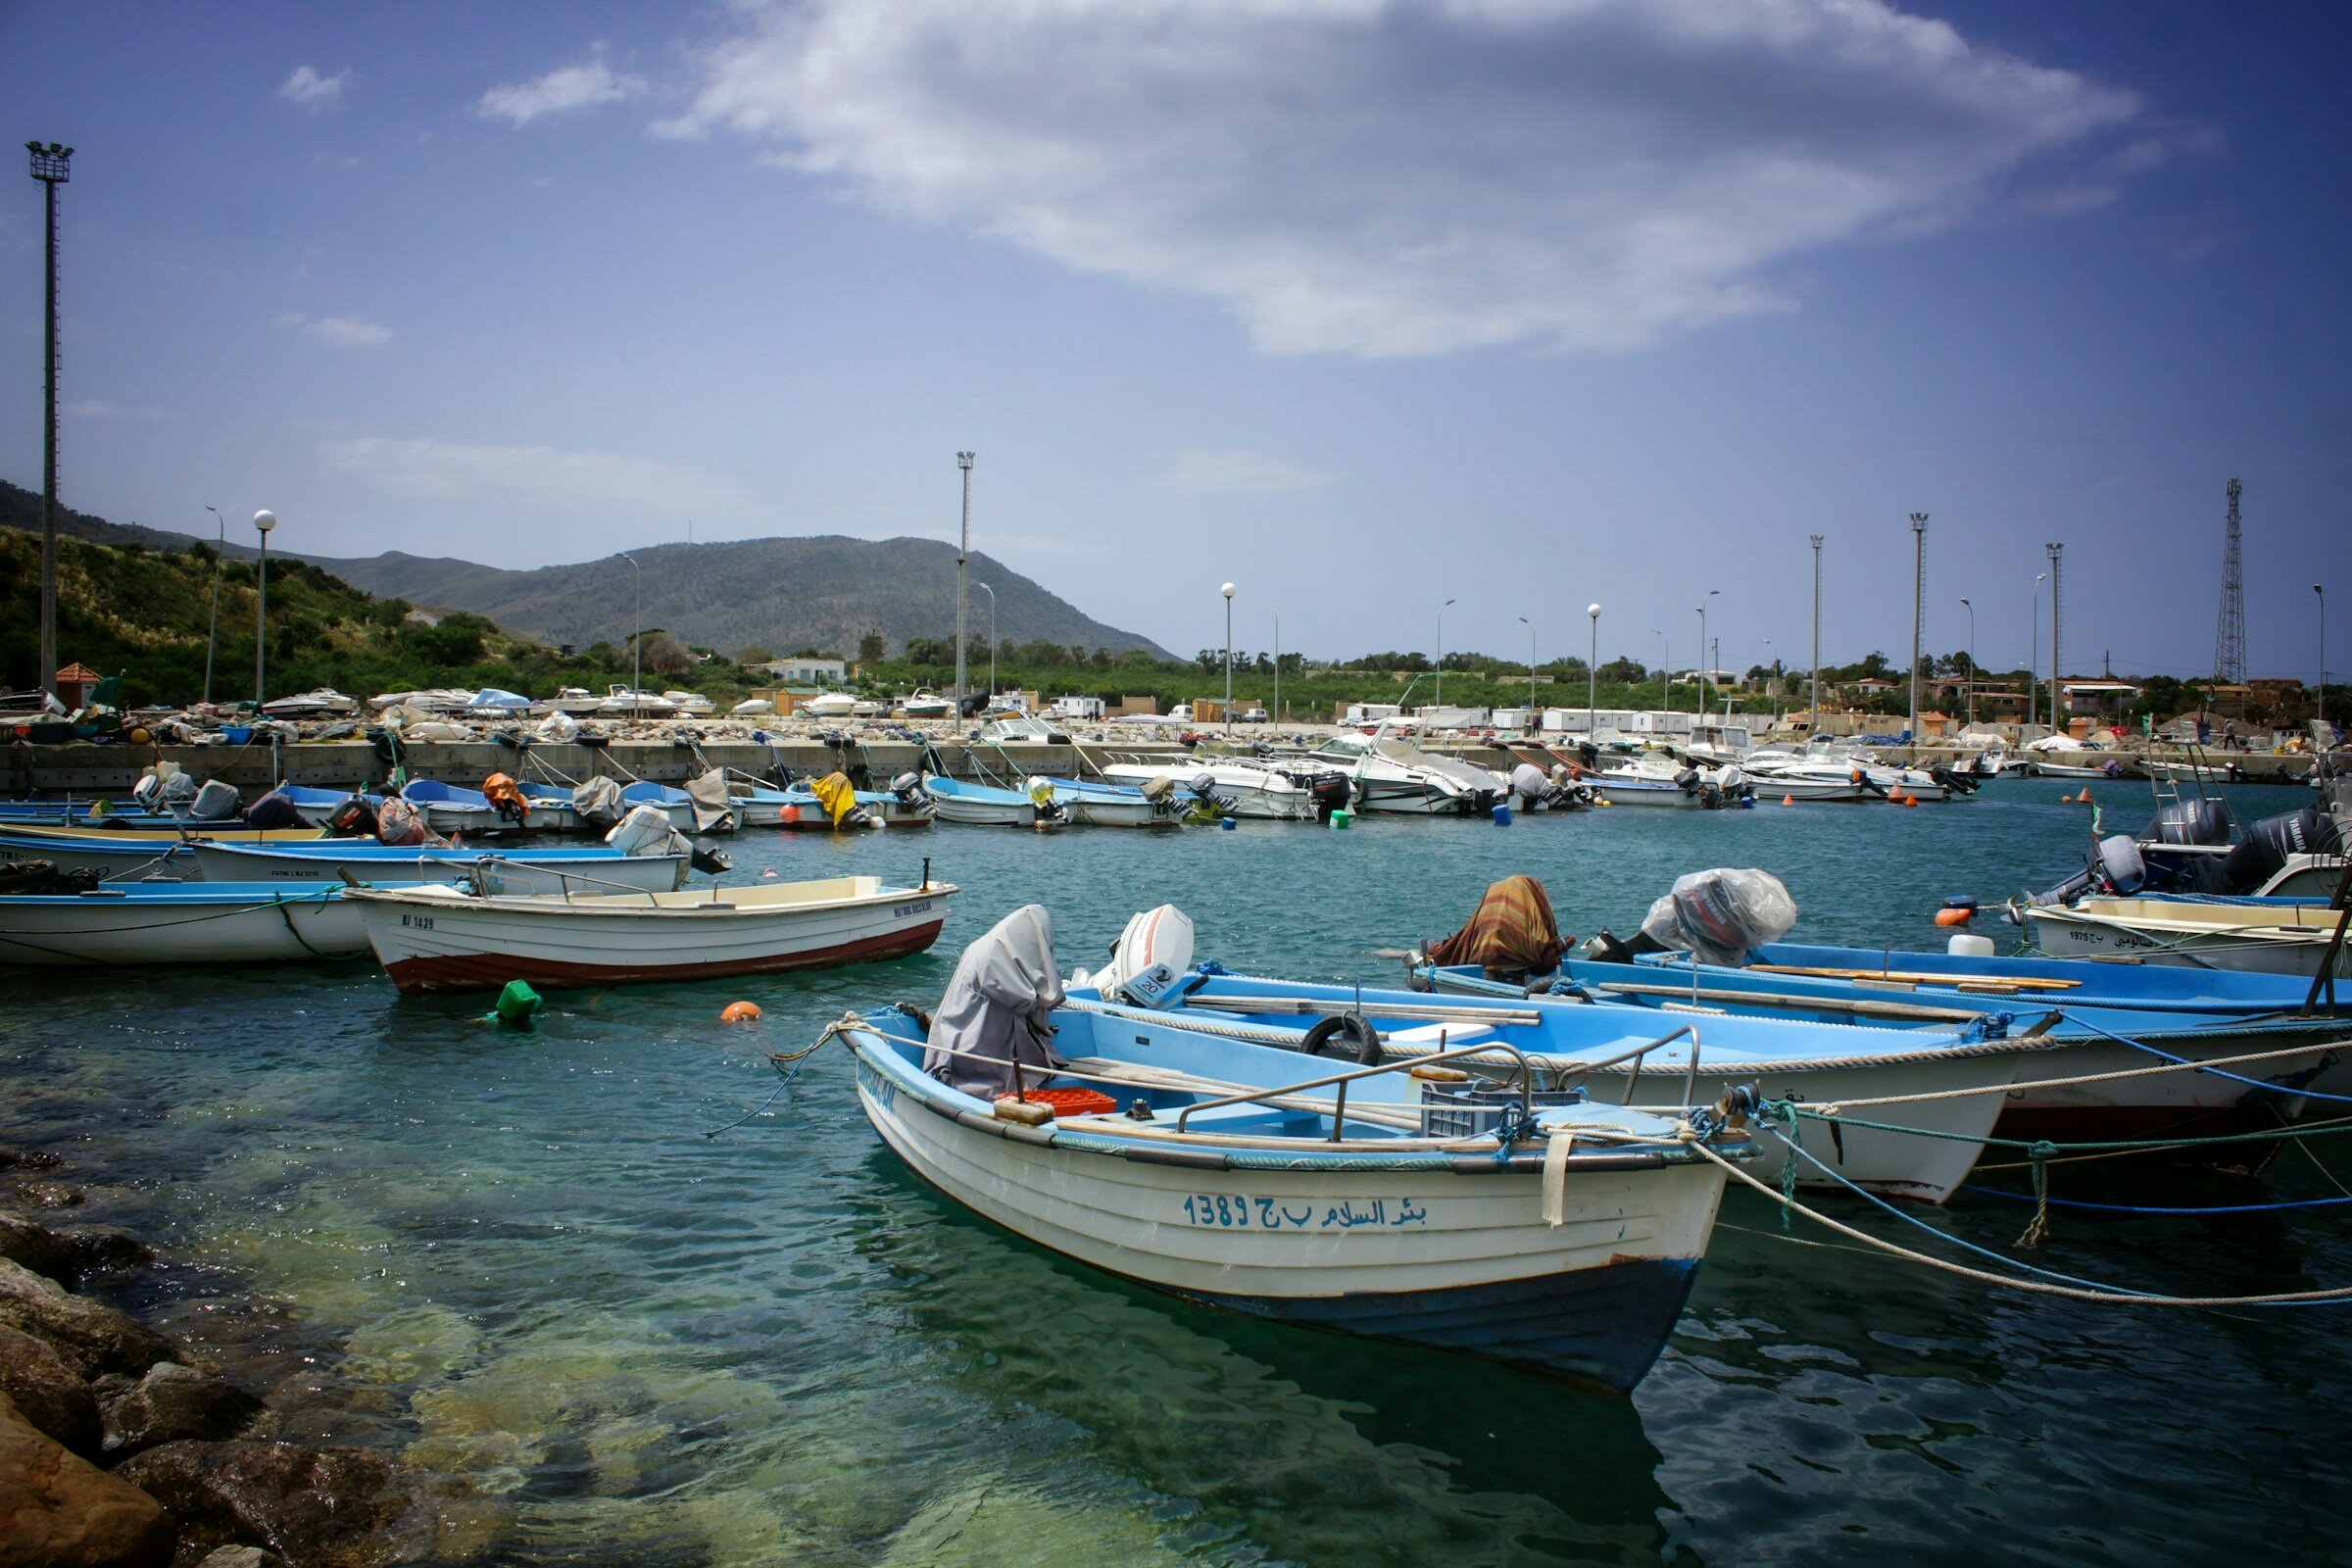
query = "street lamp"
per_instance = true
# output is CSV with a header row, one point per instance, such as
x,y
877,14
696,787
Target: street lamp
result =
x,y
1227,591
264,521
2323,691
1918,608
1666,657
2034,653
1531,670
1592,676
963,560
1704,696
212,636
1972,661
1277,666
1440,700
51,168
992,638
636,635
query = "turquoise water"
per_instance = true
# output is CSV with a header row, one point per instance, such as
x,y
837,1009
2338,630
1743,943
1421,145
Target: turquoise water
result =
x,y
519,1259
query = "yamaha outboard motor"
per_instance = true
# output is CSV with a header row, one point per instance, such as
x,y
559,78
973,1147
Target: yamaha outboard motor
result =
x,y
2271,842
2204,821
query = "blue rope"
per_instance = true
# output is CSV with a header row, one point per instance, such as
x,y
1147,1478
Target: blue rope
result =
x,y
1987,1252
2131,1208
2236,1078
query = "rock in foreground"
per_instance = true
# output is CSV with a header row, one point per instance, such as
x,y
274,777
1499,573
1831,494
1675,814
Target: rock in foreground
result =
x,y
60,1511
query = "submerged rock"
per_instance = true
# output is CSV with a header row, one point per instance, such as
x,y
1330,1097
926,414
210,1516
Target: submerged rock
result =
x,y
60,1511
48,1393
67,1255
28,1160
174,1402
94,1339
35,1247
51,1194
319,1507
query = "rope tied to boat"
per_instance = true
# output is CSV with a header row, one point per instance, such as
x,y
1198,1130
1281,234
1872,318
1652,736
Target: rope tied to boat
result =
x,y
789,1063
2040,1225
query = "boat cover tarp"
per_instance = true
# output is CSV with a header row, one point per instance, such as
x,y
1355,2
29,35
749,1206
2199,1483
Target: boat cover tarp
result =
x,y
1512,933
598,800
712,805
397,823
836,794
1722,915
507,795
274,810
645,830
216,802
999,1004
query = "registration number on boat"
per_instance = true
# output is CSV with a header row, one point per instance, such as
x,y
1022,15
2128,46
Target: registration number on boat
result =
x,y
1227,1211
901,912
422,922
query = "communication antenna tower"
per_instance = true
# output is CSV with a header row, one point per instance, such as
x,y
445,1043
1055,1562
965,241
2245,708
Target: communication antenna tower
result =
x,y
2230,643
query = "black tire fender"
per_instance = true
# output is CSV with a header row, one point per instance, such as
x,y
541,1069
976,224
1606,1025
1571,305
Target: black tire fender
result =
x,y
1325,1030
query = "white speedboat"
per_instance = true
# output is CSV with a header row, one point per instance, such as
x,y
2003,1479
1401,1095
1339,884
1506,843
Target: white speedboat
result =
x,y
752,707
1392,774
927,703
832,704
324,701
625,701
449,939
690,705
1659,779
577,701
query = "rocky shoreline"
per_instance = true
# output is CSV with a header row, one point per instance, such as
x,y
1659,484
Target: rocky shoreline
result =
x,y
123,1448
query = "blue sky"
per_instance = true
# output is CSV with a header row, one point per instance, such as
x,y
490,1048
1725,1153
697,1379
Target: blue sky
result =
x,y
1520,303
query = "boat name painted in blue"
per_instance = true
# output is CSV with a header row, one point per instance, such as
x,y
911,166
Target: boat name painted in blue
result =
x,y
901,910
1227,1211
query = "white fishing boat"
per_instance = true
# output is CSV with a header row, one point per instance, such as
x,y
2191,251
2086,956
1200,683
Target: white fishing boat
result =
x,y
1092,805
1368,1200
954,799
179,922
2262,936
322,701
927,703
1241,787
451,938
1659,779
628,702
345,860
832,704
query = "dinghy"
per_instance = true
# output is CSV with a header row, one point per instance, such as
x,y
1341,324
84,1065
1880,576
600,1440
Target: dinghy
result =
x,y
1368,1200
954,799
2255,936
811,805
179,922
345,860
451,938
1115,805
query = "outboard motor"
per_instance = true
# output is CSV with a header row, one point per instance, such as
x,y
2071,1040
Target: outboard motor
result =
x,y
2115,867
216,802
1330,792
1530,785
2271,842
354,819
2204,821
909,788
1687,780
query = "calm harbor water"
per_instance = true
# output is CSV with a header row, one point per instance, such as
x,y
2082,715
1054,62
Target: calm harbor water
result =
x,y
519,1259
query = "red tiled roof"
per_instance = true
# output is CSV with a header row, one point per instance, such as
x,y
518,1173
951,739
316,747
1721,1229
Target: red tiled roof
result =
x,y
77,671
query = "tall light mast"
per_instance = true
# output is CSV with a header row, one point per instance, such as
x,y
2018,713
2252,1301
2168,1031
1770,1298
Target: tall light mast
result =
x,y
963,569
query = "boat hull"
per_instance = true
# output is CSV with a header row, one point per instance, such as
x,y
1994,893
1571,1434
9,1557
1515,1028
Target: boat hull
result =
x,y
1437,1258
2065,933
272,926
512,873
454,947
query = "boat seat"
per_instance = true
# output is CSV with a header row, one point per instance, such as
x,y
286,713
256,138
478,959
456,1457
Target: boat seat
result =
x,y
1429,1034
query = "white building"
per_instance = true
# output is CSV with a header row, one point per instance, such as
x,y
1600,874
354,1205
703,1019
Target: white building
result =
x,y
809,671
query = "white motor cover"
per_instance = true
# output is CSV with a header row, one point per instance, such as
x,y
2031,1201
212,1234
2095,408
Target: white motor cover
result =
x,y
1527,782
645,830
1719,917
216,802
1150,956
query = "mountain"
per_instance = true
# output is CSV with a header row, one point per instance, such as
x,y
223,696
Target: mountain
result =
x,y
783,594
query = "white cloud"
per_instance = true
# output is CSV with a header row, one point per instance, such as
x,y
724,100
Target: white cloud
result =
x,y
93,410
336,331
1405,176
1233,470
307,89
559,92
600,483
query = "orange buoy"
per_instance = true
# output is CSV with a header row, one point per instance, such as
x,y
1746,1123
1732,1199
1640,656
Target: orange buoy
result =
x,y
2084,798
738,1013
1787,799
1953,916
789,815
1910,800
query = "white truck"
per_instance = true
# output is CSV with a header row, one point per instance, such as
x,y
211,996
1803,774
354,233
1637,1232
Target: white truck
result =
x,y
1078,707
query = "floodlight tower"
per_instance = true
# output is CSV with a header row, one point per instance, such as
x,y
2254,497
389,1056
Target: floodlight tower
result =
x,y
964,567
2229,640
1918,607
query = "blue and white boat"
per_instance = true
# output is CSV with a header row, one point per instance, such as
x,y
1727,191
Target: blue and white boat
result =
x,y
571,870
1361,1199
955,799
179,922
1095,805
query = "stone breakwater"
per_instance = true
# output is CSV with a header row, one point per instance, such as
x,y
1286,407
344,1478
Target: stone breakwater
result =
x,y
120,1447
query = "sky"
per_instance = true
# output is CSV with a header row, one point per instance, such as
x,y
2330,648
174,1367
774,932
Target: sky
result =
x,y
1363,306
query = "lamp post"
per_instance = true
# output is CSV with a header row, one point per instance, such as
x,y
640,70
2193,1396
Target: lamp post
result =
x,y
1227,591
1666,659
50,167
1813,718
1440,700
1972,661
2033,652
1706,686
963,559
263,522
992,637
1277,666
636,635
1918,607
1531,670
2322,694
1592,676
212,637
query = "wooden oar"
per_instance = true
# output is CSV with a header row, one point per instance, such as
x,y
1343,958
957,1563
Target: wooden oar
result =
x,y
1957,982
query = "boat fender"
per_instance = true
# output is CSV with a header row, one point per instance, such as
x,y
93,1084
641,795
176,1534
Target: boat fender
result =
x,y
1325,1030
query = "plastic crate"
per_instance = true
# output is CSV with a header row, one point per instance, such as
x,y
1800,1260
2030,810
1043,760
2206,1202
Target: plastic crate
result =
x,y
1474,1111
